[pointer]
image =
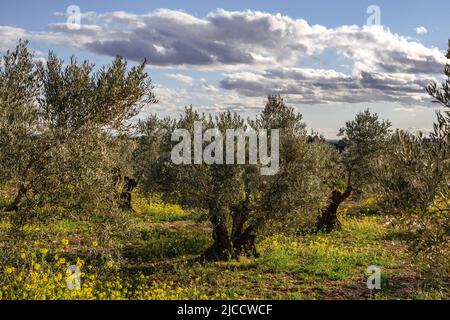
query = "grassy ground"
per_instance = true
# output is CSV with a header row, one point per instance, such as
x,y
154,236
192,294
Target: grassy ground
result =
x,y
161,262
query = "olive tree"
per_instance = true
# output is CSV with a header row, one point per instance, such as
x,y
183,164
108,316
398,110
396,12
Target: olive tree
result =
x,y
240,200
59,125
363,141
414,181
20,125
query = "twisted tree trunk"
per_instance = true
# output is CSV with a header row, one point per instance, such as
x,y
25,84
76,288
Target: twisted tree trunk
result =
x,y
329,221
125,195
221,249
21,192
245,244
243,239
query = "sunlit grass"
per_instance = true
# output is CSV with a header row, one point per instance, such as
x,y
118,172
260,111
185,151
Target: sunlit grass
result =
x,y
158,211
334,256
160,261
44,276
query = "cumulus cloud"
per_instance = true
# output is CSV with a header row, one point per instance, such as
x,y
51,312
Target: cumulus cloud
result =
x,y
262,53
421,30
209,88
242,38
315,86
9,37
180,77
174,100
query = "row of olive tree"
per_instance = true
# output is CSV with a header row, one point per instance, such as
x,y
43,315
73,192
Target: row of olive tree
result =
x,y
243,203
66,145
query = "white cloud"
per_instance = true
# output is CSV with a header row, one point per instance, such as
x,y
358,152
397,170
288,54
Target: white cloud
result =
x,y
180,77
261,53
9,37
421,30
241,39
174,100
405,109
316,86
209,88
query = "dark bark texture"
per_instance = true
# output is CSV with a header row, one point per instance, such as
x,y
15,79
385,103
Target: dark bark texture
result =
x,y
125,195
221,249
328,220
241,240
21,192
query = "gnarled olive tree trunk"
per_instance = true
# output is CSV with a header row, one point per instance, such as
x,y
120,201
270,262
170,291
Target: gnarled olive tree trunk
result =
x,y
21,192
329,221
228,245
243,239
125,195
221,249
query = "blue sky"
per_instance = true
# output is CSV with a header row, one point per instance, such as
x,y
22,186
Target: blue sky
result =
x,y
230,59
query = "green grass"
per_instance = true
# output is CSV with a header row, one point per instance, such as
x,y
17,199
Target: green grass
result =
x,y
334,257
167,241
155,210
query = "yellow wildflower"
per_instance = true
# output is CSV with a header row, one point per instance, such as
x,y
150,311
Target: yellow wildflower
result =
x,y
80,262
10,270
